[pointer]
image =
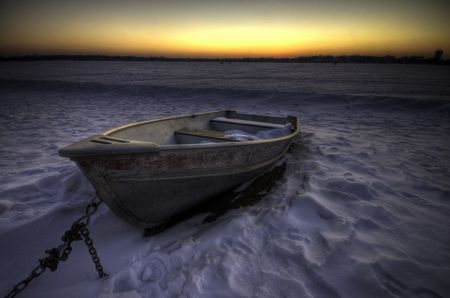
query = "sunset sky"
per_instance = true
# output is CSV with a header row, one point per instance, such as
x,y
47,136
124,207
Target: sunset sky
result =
x,y
232,28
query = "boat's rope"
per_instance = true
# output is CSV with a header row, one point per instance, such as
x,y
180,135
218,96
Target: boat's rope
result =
x,y
78,231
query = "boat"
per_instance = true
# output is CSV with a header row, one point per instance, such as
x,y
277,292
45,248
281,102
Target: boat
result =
x,y
148,172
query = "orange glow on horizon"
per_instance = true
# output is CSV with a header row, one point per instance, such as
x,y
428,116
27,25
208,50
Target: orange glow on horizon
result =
x,y
228,41
289,33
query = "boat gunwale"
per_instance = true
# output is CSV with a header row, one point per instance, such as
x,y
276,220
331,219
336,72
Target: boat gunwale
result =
x,y
159,147
143,147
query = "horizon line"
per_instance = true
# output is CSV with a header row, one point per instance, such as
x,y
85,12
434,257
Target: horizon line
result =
x,y
216,57
356,58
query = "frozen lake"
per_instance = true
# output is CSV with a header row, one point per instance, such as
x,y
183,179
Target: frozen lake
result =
x,y
362,210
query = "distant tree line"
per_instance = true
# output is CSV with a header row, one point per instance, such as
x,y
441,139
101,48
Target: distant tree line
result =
x,y
303,59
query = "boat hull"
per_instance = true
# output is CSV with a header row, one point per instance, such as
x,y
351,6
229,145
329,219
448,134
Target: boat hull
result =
x,y
147,189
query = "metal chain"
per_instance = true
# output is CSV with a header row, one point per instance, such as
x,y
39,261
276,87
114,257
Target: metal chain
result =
x,y
24,283
77,231
93,253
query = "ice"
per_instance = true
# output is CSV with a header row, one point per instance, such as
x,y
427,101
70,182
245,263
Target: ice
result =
x,y
362,209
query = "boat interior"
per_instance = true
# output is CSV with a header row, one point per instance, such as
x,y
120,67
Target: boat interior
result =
x,y
196,128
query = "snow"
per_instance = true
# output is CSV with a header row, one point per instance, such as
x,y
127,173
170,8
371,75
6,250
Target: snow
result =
x,y
362,209
239,135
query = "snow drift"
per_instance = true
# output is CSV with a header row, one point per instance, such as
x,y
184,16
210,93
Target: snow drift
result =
x,y
361,211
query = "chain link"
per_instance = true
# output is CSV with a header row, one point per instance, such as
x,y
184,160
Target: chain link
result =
x,y
77,231
24,283
93,252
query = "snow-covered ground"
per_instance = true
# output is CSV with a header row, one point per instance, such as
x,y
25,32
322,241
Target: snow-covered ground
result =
x,y
363,209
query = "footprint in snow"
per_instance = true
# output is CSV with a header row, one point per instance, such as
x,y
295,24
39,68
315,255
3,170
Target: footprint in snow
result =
x,y
154,270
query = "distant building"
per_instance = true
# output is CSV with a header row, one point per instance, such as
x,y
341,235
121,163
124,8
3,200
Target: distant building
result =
x,y
438,55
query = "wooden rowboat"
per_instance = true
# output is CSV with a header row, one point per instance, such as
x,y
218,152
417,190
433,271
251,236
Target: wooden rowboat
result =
x,y
148,172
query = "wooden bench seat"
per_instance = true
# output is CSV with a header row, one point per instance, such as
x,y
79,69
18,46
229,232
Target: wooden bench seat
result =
x,y
193,136
223,123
